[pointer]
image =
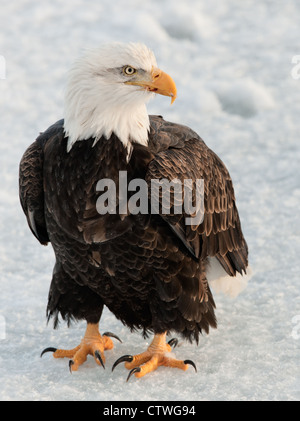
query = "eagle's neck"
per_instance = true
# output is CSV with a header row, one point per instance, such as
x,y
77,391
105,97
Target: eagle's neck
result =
x,y
100,121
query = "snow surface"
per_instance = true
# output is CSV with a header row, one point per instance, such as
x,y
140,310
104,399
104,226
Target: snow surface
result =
x,y
238,87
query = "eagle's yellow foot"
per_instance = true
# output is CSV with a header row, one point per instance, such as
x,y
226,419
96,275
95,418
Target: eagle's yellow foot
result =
x,y
155,356
92,344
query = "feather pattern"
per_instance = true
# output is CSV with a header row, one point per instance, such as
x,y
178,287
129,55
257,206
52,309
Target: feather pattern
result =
x,y
149,270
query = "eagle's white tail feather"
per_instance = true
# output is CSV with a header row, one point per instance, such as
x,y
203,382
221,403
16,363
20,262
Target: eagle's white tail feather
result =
x,y
220,281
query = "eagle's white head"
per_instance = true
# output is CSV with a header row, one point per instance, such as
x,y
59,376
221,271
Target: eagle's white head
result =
x,y
107,92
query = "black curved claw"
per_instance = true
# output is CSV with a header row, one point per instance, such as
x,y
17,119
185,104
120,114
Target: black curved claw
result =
x,y
112,335
125,358
173,342
50,349
191,363
134,370
71,362
99,358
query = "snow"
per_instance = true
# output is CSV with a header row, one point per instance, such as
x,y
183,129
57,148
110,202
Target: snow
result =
x,y
235,69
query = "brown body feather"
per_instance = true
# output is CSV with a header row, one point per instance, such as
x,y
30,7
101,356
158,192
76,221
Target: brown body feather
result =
x,y
149,270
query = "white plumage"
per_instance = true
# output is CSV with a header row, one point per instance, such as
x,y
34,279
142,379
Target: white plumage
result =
x,y
220,281
98,101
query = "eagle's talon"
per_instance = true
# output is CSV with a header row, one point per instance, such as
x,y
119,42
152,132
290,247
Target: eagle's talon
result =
x,y
112,335
173,342
190,362
50,349
124,358
92,344
156,355
99,358
134,370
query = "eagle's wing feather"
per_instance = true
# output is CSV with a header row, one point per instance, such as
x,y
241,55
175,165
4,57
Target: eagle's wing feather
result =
x,y
69,196
31,190
219,234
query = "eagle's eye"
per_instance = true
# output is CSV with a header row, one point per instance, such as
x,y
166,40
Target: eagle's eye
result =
x,y
129,70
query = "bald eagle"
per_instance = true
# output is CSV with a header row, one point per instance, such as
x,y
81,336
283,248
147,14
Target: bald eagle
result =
x,y
151,269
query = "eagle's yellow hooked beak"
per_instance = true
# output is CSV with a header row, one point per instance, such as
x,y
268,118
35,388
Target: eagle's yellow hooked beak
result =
x,y
158,82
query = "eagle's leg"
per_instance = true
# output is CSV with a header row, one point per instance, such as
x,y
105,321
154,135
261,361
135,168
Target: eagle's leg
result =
x,y
157,354
93,343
